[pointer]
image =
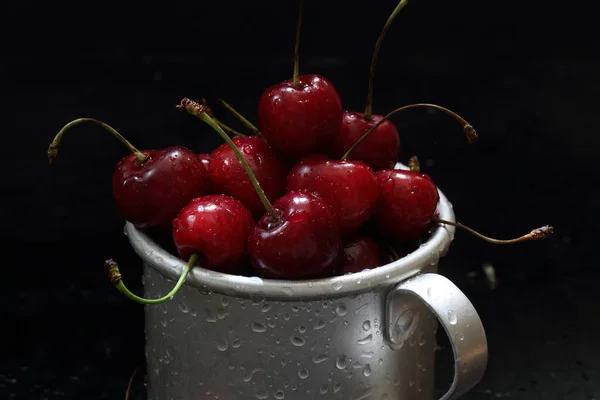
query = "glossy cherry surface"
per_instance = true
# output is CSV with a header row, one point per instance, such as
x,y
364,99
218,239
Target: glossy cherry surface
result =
x,y
349,187
360,253
227,175
149,194
216,227
205,158
303,242
297,120
380,150
407,202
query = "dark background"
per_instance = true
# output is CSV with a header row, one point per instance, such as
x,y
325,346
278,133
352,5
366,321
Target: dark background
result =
x,y
525,74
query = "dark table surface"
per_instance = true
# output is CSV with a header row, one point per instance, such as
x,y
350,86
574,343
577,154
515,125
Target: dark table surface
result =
x,y
67,334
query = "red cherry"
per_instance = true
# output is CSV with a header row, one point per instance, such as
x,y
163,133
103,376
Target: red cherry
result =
x,y
360,253
300,119
301,242
216,227
151,193
380,150
349,187
150,187
227,175
406,204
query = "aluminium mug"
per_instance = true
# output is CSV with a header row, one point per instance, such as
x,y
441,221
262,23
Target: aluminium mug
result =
x,y
363,336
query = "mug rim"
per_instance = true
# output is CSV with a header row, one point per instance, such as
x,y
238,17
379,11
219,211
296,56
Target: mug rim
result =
x,y
428,254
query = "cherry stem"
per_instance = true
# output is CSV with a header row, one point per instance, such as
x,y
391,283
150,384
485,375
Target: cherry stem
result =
x,y
296,76
394,253
369,107
467,128
536,234
221,124
239,116
198,111
414,164
53,148
114,275
128,392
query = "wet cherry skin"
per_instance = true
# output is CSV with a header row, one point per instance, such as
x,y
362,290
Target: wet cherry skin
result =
x,y
303,242
359,253
349,187
217,228
407,202
149,194
380,150
228,176
298,120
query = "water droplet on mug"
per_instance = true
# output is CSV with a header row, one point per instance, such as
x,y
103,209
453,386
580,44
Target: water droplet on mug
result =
x,y
297,341
279,394
341,362
452,317
319,325
337,285
262,395
366,340
366,325
461,337
258,327
341,310
337,387
183,308
422,340
367,370
222,345
303,373
237,342
295,308
324,389
320,358
265,307
286,316
301,329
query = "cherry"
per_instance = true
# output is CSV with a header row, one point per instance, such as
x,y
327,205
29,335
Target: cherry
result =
x,y
298,237
360,253
150,187
407,202
299,240
382,148
300,115
217,227
211,231
349,187
227,175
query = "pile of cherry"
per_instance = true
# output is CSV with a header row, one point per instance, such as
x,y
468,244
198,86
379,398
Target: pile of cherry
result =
x,y
311,193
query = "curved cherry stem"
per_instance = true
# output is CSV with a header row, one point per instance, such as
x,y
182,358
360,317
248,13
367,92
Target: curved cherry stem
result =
x,y
536,234
239,116
413,164
114,275
296,76
467,128
221,124
129,385
369,106
53,148
198,111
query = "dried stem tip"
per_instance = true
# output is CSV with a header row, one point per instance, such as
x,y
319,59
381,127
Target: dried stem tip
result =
x,y
192,107
112,270
471,133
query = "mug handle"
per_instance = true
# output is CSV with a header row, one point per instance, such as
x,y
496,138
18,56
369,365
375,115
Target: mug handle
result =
x,y
458,317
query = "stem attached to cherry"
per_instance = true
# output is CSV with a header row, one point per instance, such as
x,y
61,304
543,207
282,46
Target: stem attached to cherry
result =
x,y
467,128
239,116
221,124
296,75
369,107
536,234
413,164
53,148
114,275
129,385
199,111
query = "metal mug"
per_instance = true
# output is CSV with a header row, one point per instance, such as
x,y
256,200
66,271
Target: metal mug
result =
x,y
368,335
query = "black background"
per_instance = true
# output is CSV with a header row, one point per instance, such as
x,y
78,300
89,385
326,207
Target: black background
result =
x,y
525,74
